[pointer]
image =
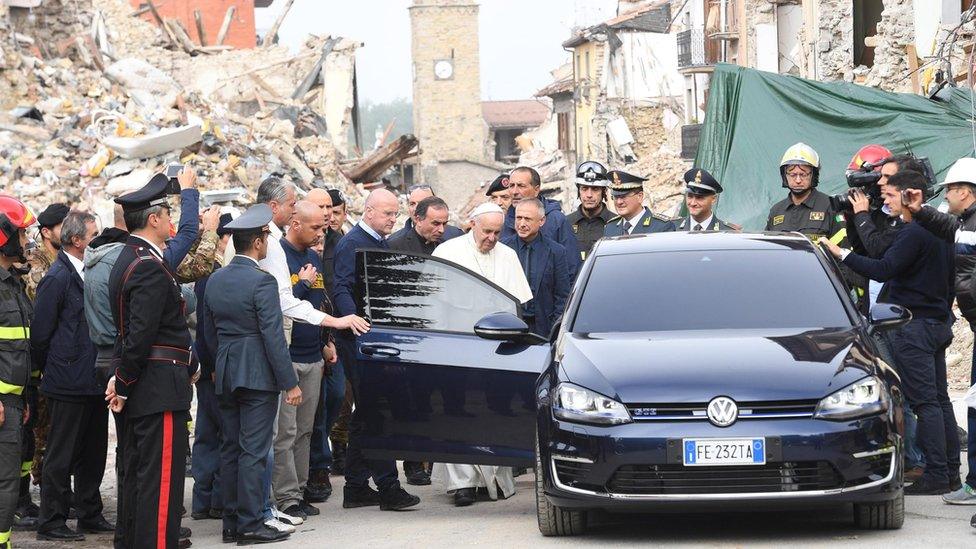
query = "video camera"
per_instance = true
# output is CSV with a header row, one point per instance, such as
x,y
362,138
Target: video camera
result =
x,y
866,179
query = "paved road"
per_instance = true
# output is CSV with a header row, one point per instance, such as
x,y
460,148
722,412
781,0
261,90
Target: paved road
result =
x,y
511,523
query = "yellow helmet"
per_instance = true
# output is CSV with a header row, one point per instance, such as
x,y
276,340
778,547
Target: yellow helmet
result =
x,y
800,154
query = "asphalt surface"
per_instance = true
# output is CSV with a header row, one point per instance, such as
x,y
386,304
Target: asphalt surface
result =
x,y
512,523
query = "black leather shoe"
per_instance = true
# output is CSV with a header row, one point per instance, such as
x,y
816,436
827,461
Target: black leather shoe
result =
x,y
353,497
184,543
465,496
61,533
397,499
927,487
24,522
97,525
216,513
296,511
185,532
309,510
201,515
228,536
416,474
261,535
317,494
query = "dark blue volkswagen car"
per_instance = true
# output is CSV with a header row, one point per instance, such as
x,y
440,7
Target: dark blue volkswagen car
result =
x,y
689,372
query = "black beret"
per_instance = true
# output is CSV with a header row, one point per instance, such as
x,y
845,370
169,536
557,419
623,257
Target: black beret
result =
x,y
53,215
700,182
221,226
499,184
337,199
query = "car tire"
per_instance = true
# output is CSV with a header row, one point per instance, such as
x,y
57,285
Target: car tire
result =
x,y
886,515
554,520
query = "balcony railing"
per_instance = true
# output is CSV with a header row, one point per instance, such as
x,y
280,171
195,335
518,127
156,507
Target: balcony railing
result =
x,y
691,49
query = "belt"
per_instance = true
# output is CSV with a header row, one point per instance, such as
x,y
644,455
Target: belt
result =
x,y
175,355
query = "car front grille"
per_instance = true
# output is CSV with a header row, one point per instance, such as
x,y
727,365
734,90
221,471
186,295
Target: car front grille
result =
x,y
797,476
696,411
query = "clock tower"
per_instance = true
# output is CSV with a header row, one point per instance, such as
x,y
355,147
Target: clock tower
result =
x,y
447,115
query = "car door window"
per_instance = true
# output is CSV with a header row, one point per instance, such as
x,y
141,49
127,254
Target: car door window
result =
x,y
404,290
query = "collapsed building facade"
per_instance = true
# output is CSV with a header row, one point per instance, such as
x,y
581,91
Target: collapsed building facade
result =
x,y
635,91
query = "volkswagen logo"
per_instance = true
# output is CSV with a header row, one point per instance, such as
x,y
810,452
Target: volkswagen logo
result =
x,y
722,411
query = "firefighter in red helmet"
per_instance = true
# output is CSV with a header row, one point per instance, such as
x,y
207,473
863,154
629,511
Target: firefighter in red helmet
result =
x,y
15,367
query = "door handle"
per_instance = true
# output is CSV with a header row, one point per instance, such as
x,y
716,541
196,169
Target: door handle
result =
x,y
379,350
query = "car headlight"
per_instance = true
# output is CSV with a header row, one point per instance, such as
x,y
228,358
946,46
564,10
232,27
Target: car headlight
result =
x,y
863,398
574,403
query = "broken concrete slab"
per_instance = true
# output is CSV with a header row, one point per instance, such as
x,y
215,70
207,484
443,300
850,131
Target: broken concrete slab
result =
x,y
148,86
161,142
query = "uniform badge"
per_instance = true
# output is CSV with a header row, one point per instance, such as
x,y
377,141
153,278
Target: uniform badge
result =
x,y
698,177
839,218
616,179
778,219
575,228
506,182
816,216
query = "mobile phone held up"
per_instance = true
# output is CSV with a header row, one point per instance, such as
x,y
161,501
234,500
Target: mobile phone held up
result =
x,y
173,172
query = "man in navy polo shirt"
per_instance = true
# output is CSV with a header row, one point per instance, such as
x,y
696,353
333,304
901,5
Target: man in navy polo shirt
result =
x,y
292,443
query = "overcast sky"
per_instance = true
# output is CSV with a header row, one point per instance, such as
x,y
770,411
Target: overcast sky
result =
x,y
520,40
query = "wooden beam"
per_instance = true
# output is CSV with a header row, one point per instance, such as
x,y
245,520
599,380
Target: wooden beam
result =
x,y
309,81
228,17
155,13
183,37
198,18
270,37
913,67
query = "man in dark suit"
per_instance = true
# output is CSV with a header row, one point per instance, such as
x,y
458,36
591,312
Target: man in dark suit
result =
x,y
632,216
154,370
701,195
74,392
415,195
546,265
526,183
377,222
244,331
428,231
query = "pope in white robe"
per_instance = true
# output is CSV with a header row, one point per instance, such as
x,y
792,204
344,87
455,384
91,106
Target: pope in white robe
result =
x,y
480,251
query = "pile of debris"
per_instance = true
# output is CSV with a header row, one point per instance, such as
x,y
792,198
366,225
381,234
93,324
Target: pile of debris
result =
x,y
657,158
92,119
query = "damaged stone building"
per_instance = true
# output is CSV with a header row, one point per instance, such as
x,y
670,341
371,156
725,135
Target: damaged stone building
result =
x,y
639,81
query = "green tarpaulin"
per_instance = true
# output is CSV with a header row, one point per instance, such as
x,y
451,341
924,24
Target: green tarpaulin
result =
x,y
753,116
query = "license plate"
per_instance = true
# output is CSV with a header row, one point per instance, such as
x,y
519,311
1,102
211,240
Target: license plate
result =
x,y
724,451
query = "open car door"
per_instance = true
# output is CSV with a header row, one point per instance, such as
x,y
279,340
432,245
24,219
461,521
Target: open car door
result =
x,y
430,388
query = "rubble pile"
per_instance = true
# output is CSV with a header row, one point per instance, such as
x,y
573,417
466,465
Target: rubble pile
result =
x,y
84,124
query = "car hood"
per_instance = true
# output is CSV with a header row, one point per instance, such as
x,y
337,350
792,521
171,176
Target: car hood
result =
x,y
695,366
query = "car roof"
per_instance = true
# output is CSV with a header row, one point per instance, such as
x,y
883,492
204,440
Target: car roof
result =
x,y
706,240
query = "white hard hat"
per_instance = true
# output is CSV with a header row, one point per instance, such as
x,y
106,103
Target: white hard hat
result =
x,y
963,171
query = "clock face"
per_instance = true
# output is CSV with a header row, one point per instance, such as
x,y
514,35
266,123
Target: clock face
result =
x,y
443,69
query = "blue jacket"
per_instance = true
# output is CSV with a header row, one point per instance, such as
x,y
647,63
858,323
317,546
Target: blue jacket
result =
x,y
60,346
551,279
244,322
345,267
100,256
556,228
204,353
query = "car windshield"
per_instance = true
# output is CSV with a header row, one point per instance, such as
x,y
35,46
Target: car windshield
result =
x,y
709,290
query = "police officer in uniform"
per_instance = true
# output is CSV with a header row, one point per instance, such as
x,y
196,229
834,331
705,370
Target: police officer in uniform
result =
x,y
15,362
592,215
500,192
245,333
701,195
154,370
805,210
632,216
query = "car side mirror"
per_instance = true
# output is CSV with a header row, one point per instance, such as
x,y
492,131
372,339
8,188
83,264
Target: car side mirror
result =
x,y
885,316
501,327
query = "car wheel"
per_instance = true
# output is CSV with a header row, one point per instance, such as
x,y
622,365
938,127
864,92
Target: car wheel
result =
x,y
554,520
886,515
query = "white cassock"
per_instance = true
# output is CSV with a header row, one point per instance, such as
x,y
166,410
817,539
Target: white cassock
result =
x,y
501,266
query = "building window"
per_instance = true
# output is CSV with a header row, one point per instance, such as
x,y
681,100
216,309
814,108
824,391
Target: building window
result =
x,y
867,15
587,64
562,130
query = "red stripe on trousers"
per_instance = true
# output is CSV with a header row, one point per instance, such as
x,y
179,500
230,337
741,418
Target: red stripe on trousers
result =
x,y
165,474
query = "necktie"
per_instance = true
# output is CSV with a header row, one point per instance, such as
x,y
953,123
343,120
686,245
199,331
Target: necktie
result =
x,y
697,227
627,227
